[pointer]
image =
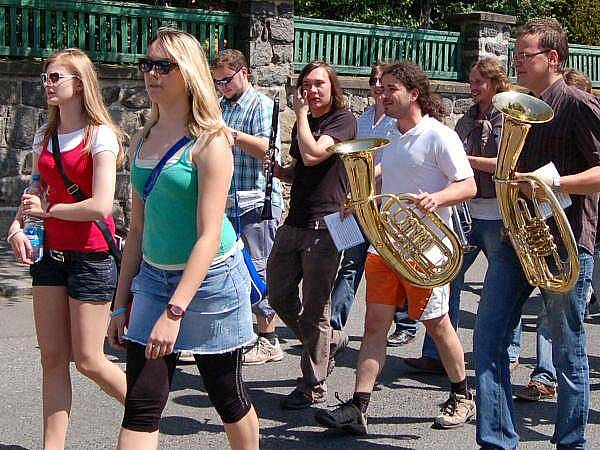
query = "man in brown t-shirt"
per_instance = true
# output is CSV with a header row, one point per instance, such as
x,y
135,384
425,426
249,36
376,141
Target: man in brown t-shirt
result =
x,y
303,249
572,142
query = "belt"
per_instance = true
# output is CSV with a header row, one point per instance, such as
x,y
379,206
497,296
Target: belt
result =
x,y
76,255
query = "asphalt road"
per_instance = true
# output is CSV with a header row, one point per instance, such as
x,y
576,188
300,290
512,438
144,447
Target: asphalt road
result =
x,y
401,412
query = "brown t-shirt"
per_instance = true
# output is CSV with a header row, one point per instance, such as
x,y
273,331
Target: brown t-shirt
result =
x,y
481,138
571,140
321,189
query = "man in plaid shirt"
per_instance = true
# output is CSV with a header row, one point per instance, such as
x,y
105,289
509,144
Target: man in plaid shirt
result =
x,y
247,113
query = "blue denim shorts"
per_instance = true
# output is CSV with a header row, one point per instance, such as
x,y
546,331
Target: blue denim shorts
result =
x,y
92,277
218,319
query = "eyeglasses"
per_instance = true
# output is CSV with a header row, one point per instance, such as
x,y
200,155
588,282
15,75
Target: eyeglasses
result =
x,y
162,67
520,57
374,81
55,76
225,81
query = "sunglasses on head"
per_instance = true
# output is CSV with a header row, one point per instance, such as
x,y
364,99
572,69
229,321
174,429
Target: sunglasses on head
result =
x,y
162,66
374,81
53,77
225,81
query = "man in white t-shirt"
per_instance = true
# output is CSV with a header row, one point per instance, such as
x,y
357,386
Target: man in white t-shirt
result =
x,y
428,160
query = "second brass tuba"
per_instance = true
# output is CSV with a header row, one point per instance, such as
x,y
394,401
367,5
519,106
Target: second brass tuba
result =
x,y
526,227
424,256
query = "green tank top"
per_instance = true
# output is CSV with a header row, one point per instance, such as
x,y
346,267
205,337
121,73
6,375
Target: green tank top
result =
x,y
170,227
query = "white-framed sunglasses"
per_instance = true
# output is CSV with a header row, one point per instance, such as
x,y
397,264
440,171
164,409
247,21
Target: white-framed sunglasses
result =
x,y
54,77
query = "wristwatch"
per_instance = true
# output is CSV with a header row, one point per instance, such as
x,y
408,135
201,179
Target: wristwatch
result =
x,y
176,311
234,135
555,184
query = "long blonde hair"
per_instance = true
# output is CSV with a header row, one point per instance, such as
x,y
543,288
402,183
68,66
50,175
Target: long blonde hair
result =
x,y
205,112
91,100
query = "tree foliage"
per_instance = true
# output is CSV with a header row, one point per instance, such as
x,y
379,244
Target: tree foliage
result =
x,y
580,17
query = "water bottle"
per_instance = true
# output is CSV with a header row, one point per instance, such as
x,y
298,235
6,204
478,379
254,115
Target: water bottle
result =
x,y
33,227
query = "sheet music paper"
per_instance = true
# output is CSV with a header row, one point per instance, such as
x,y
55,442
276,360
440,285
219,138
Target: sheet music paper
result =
x,y
345,233
549,170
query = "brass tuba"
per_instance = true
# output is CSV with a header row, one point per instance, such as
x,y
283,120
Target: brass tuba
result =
x,y
424,256
526,227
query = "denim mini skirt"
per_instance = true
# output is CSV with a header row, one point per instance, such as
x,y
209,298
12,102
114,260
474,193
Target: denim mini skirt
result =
x,y
218,319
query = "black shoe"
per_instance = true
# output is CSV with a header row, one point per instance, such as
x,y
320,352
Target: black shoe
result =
x,y
399,337
347,417
299,400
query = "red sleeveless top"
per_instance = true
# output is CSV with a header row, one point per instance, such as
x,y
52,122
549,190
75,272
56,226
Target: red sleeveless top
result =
x,y
66,234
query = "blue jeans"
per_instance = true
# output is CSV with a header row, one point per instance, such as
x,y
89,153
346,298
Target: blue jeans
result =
x,y
346,284
504,292
485,236
258,236
544,371
405,323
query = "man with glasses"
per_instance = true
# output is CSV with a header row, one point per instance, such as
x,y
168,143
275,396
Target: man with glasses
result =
x,y
248,113
571,140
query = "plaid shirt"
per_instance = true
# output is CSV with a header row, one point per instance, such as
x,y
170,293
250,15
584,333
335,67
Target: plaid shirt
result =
x,y
250,114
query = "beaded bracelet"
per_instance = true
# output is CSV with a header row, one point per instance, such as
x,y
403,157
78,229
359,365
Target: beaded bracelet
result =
x,y
118,312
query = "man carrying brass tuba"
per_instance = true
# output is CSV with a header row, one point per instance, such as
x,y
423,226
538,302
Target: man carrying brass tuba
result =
x,y
427,160
571,140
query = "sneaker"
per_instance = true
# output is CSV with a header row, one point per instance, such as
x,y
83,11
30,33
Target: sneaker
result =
x,y
425,364
455,412
346,417
341,347
536,391
400,337
513,365
262,352
299,400
186,357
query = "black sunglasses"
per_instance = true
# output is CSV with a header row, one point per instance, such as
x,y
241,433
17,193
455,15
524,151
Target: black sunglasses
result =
x,y
54,77
225,81
163,66
373,81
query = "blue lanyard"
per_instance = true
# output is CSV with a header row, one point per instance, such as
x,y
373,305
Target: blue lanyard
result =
x,y
153,177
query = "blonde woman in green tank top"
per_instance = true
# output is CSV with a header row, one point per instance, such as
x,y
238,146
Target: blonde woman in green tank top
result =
x,y
181,262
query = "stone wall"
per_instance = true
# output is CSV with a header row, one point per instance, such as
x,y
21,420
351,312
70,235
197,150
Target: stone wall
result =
x,y
22,111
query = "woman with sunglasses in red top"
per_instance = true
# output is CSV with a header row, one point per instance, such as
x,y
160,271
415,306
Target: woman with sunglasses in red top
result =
x,y
74,282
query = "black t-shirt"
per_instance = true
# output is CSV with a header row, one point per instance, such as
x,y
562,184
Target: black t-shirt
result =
x,y
321,189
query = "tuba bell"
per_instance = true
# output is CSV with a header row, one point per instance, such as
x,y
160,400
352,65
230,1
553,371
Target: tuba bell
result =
x,y
526,226
424,256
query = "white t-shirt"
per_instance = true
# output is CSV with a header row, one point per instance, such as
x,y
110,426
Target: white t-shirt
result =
x,y
427,158
484,209
384,128
104,140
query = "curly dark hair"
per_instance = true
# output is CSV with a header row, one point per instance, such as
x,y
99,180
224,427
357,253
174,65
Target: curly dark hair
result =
x,y
413,77
337,96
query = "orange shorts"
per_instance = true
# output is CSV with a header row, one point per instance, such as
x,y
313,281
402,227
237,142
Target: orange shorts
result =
x,y
386,287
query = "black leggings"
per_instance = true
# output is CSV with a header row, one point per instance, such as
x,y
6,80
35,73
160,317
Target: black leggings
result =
x,y
149,382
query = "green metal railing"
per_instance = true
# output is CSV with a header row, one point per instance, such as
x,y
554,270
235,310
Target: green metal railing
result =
x,y
584,58
353,48
108,31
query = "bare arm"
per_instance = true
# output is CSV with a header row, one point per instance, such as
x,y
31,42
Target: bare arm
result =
x,y
98,206
254,146
130,261
285,174
214,172
482,163
454,193
312,151
582,183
